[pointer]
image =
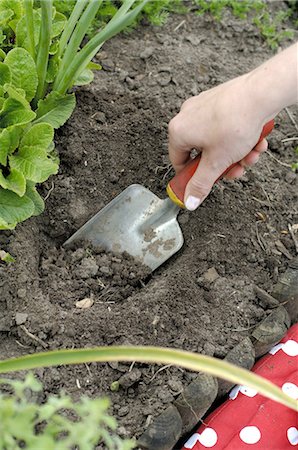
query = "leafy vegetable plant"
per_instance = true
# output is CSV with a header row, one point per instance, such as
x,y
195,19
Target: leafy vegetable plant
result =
x,y
57,424
42,57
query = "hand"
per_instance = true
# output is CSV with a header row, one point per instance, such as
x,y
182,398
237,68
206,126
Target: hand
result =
x,y
224,125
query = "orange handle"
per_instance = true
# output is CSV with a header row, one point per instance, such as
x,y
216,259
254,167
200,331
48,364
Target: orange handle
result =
x,y
176,187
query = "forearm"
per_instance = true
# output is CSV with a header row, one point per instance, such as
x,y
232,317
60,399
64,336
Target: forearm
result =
x,y
274,84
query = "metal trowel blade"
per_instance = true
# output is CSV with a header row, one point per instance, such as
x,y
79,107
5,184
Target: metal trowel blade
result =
x,y
136,222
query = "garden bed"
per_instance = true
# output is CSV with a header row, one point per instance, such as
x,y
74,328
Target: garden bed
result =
x,y
116,137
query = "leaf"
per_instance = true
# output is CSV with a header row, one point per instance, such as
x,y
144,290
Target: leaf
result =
x,y
58,25
14,112
23,71
22,38
94,66
37,200
2,54
17,94
15,182
5,75
6,257
9,141
55,109
38,137
33,163
52,71
14,209
85,77
5,16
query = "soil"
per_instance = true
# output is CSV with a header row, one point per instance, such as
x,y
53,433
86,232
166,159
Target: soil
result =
x,y
116,137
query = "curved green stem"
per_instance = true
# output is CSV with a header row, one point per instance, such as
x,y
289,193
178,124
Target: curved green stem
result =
x,y
161,355
28,7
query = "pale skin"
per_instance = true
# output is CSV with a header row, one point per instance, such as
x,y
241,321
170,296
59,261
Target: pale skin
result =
x,y
225,123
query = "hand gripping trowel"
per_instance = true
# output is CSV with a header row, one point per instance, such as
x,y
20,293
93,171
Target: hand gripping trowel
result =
x,y
140,223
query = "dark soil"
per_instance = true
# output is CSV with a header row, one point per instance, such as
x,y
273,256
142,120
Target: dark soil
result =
x,y
118,136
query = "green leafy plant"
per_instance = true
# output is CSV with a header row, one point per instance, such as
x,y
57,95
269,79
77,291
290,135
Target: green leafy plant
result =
x,y
57,424
271,27
6,257
42,57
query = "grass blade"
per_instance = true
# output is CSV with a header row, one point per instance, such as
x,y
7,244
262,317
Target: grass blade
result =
x,y
71,24
181,358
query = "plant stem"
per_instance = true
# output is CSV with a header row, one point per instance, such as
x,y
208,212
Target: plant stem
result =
x,y
71,24
188,360
73,67
43,47
28,6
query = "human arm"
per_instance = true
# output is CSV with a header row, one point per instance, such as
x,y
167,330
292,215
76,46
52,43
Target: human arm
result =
x,y
225,122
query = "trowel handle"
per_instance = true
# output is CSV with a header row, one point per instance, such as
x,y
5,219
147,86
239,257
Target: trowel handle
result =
x,y
176,187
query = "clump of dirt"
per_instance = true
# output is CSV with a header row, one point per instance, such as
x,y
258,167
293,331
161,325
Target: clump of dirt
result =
x,y
89,272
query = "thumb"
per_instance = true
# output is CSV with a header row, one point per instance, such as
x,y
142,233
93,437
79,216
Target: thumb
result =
x,y
202,181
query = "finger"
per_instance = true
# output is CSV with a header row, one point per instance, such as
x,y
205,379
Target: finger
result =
x,y
179,151
236,172
202,181
250,159
261,146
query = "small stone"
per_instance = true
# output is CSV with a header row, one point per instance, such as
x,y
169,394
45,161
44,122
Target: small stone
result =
x,y
21,293
147,53
165,396
21,318
175,385
85,303
130,378
108,65
210,275
100,117
290,176
164,78
123,411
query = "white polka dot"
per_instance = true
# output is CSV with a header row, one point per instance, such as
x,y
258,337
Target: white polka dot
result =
x,y
291,348
292,434
250,435
208,437
192,441
291,390
276,348
234,392
249,392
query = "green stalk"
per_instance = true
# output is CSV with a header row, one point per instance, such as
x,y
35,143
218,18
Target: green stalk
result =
x,y
43,47
71,24
28,6
188,360
75,66
126,5
80,30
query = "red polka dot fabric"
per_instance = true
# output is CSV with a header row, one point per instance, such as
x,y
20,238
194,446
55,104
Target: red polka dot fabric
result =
x,y
248,420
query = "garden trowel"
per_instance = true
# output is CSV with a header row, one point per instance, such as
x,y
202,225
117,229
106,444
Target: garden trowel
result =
x,y
140,223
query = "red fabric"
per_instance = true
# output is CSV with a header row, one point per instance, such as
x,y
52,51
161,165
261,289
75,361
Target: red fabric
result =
x,y
248,420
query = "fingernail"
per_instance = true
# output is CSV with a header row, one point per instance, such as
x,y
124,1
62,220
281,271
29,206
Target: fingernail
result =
x,y
192,203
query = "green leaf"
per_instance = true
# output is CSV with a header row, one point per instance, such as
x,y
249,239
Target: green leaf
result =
x,y
14,209
23,71
34,163
5,16
2,54
22,37
55,109
9,141
5,75
14,112
6,257
15,182
85,77
94,66
18,94
53,68
38,137
37,200
58,25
